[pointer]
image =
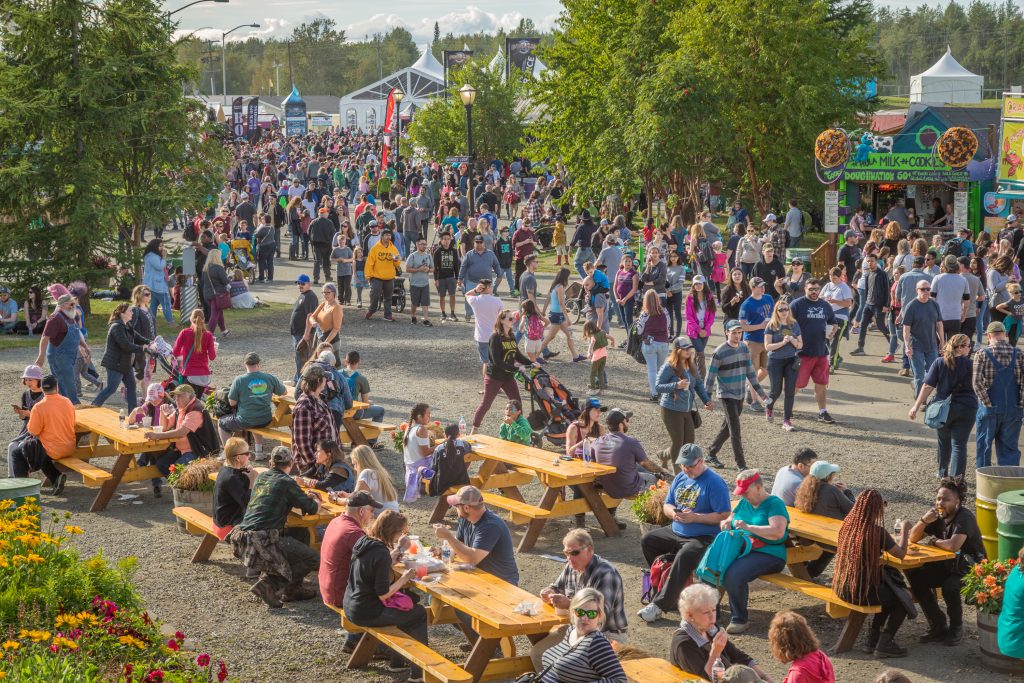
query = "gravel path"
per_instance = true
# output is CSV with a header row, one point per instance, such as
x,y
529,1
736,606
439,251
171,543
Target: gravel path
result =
x,y
873,441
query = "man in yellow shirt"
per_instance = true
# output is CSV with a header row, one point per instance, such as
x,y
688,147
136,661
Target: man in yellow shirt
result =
x,y
51,425
381,271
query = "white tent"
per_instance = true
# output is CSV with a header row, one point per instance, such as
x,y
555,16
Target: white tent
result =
x,y
420,82
946,82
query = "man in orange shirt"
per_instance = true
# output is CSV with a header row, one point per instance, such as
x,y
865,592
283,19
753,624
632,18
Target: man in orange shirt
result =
x,y
51,425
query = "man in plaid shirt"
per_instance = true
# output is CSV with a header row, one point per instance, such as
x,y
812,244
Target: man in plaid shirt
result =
x,y
534,211
584,569
999,385
311,418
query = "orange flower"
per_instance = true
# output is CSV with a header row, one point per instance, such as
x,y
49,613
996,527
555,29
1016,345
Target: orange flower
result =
x,y
997,592
404,426
982,597
978,570
990,581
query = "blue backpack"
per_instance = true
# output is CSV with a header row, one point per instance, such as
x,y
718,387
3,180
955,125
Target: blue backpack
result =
x,y
727,547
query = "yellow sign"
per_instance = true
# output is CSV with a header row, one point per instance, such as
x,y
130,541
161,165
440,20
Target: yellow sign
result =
x,y
1013,107
1011,157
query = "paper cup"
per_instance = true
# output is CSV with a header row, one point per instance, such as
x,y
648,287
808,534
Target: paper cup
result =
x,y
147,422
157,429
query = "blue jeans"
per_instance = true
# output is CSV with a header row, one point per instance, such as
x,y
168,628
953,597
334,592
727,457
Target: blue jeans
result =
x,y
583,254
507,273
982,323
999,429
859,314
894,337
373,414
161,300
655,354
739,575
468,286
952,441
919,364
64,370
114,379
626,312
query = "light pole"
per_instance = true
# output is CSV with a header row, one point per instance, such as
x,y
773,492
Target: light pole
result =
x,y
192,3
223,58
399,96
468,95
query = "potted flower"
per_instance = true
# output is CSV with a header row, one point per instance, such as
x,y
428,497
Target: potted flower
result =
x,y
191,485
983,588
648,507
435,430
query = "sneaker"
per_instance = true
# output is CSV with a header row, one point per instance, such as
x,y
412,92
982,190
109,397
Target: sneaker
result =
x,y
454,318
715,462
415,679
389,319
756,407
413,321
650,613
954,636
787,425
932,635
58,486
769,415
904,372
427,323
541,360
262,590
823,416
368,315
552,354
855,329
396,669
888,358
379,446
839,361
359,306
579,359
157,492
859,351
299,593
444,317
735,628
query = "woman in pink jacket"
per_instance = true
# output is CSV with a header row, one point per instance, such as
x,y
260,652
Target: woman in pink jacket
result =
x,y
700,316
195,348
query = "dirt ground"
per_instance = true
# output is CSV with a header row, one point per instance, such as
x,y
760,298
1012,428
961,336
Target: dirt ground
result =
x,y
872,440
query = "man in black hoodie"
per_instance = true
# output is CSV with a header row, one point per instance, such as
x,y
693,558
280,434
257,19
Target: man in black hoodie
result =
x,y
876,302
321,233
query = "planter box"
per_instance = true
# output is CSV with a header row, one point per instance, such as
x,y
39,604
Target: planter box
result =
x,y
991,657
200,500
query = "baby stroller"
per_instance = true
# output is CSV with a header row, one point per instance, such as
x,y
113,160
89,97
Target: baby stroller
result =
x,y
241,257
164,358
398,295
552,407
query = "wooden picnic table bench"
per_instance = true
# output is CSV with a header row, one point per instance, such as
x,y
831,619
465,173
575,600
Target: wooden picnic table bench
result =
x,y
534,464
655,670
122,443
353,429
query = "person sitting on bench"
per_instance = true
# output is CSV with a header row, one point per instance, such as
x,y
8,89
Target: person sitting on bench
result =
x,y
51,428
251,397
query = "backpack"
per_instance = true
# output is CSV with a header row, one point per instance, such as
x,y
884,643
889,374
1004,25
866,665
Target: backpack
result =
x,y
655,577
534,328
727,547
635,344
705,254
221,406
331,389
954,247
205,441
189,234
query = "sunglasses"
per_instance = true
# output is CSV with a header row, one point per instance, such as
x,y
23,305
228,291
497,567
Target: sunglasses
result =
x,y
572,553
783,308
588,613
924,289
238,455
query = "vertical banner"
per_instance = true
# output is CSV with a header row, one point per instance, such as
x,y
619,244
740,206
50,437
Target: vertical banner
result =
x,y
389,125
237,119
454,59
252,119
519,57
1010,177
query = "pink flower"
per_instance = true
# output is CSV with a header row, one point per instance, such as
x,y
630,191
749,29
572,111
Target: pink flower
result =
x,y
128,668
54,648
203,660
155,676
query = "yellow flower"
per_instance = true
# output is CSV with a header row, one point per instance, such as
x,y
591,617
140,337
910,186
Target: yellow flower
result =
x,y
133,641
65,642
35,636
11,645
66,620
88,618
3,675
3,562
74,530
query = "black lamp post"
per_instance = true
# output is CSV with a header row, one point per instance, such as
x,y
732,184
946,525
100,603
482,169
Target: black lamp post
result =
x,y
468,95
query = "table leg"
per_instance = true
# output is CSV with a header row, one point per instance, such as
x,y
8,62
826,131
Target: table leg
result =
x,y
480,656
536,525
354,432
440,509
604,517
799,570
851,630
363,652
106,491
205,548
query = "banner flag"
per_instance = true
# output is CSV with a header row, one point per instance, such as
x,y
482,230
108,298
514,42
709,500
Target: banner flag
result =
x,y
389,124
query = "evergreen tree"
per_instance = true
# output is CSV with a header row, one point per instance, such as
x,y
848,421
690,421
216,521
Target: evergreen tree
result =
x,y
437,32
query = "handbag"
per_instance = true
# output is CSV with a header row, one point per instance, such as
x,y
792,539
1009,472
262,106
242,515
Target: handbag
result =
x,y
399,601
223,300
696,419
936,414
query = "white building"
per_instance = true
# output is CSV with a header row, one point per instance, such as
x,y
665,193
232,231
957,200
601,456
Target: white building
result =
x,y
946,82
423,80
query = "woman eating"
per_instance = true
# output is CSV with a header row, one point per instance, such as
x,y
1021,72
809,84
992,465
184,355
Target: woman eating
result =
x,y
678,381
585,654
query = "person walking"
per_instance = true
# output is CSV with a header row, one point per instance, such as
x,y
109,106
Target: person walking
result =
x,y
321,234
731,367
154,276
700,317
381,270
783,341
503,359
817,327
998,381
653,327
60,344
678,381
923,333
216,291
118,357
875,303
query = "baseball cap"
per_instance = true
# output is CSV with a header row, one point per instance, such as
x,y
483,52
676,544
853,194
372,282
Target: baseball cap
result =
x,y
617,416
327,357
244,195
796,262
252,358
964,230
324,210
995,327
302,280
731,325
770,217
478,238
950,261
64,299
34,372
745,480
362,499
154,392
739,673
699,279
184,389
756,282
821,469
371,224
854,234
280,456
690,454
593,402
48,383
1012,218
605,221
467,495
683,343
4,290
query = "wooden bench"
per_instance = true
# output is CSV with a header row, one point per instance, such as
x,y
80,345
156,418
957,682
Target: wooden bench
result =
x,y
654,670
199,523
370,430
520,512
92,476
436,669
835,607
282,436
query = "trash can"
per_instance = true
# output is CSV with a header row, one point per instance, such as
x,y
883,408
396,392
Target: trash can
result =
x,y
1010,518
993,481
18,489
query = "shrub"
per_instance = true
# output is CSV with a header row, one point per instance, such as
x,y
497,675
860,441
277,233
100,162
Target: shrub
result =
x,y
194,476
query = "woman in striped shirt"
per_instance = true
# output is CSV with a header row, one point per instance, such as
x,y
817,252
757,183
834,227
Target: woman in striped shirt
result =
x,y
584,655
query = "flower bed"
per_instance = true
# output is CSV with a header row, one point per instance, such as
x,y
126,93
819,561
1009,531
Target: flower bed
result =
x,y
65,619
983,585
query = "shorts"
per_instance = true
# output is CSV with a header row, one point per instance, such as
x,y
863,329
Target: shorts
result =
x,y
532,346
814,368
446,286
483,349
758,355
420,296
556,318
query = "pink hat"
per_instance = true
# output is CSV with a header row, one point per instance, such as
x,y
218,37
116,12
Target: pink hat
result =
x,y
57,290
155,392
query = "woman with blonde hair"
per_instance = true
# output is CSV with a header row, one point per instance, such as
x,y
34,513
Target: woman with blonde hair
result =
x,y
585,654
294,211
372,478
903,256
216,290
144,324
782,340
233,487
652,326
793,642
891,238
194,348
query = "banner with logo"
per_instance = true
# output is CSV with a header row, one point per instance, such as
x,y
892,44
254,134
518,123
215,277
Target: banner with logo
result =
x,y
389,127
519,57
1011,148
454,59
237,119
252,119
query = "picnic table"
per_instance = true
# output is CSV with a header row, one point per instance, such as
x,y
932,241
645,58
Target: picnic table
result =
x,y
283,418
655,670
122,443
550,471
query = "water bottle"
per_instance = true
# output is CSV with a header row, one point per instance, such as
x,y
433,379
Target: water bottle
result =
x,y
121,416
586,450
446,554
717,670
462,426
897,525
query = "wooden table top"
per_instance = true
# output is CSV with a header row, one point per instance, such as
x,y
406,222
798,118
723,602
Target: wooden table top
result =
x,y
491,601
290,399
655,670
825,530
328,510
541,461
107,423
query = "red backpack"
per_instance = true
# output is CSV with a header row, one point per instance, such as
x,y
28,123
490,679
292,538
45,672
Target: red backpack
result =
x,y
655,577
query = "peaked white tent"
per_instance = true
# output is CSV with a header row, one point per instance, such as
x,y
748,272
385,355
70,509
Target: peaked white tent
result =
x,y
946,82
420,82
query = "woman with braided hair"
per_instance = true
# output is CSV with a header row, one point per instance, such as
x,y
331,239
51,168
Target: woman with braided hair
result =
x,y
860,577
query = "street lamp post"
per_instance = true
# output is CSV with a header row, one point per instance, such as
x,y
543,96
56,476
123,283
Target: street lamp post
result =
x,y
468,95
192,3
399,96
223,57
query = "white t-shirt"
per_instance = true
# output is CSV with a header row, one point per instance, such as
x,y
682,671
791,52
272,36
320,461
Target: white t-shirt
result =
x,y
840,291
369,477
486,309
411,449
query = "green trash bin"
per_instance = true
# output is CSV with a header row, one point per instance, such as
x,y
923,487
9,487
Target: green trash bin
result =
x,y
18,489
1010,529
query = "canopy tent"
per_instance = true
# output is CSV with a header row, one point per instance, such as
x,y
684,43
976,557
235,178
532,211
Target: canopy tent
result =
x,y
364,108
946,82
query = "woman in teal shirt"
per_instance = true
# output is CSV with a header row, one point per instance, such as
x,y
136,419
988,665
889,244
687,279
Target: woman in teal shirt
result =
x,y
1011,617
765,518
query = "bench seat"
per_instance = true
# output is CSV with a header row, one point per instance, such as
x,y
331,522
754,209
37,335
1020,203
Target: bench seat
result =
x,y
200,524
518,509
282,436
836,607
92,476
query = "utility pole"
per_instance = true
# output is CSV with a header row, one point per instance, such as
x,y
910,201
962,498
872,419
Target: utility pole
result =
x,y
277,78
291,74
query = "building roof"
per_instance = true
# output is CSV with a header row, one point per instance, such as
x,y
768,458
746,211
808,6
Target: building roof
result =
x,y
948,67
888,121
428,65
975,118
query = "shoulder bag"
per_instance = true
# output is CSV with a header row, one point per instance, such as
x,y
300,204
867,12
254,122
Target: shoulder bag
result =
x,y
936,413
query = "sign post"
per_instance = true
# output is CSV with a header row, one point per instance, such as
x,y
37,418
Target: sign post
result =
x,y
959,210
831,218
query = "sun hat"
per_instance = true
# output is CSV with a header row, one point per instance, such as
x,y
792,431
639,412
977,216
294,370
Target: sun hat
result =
x,y
822,469
33,372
